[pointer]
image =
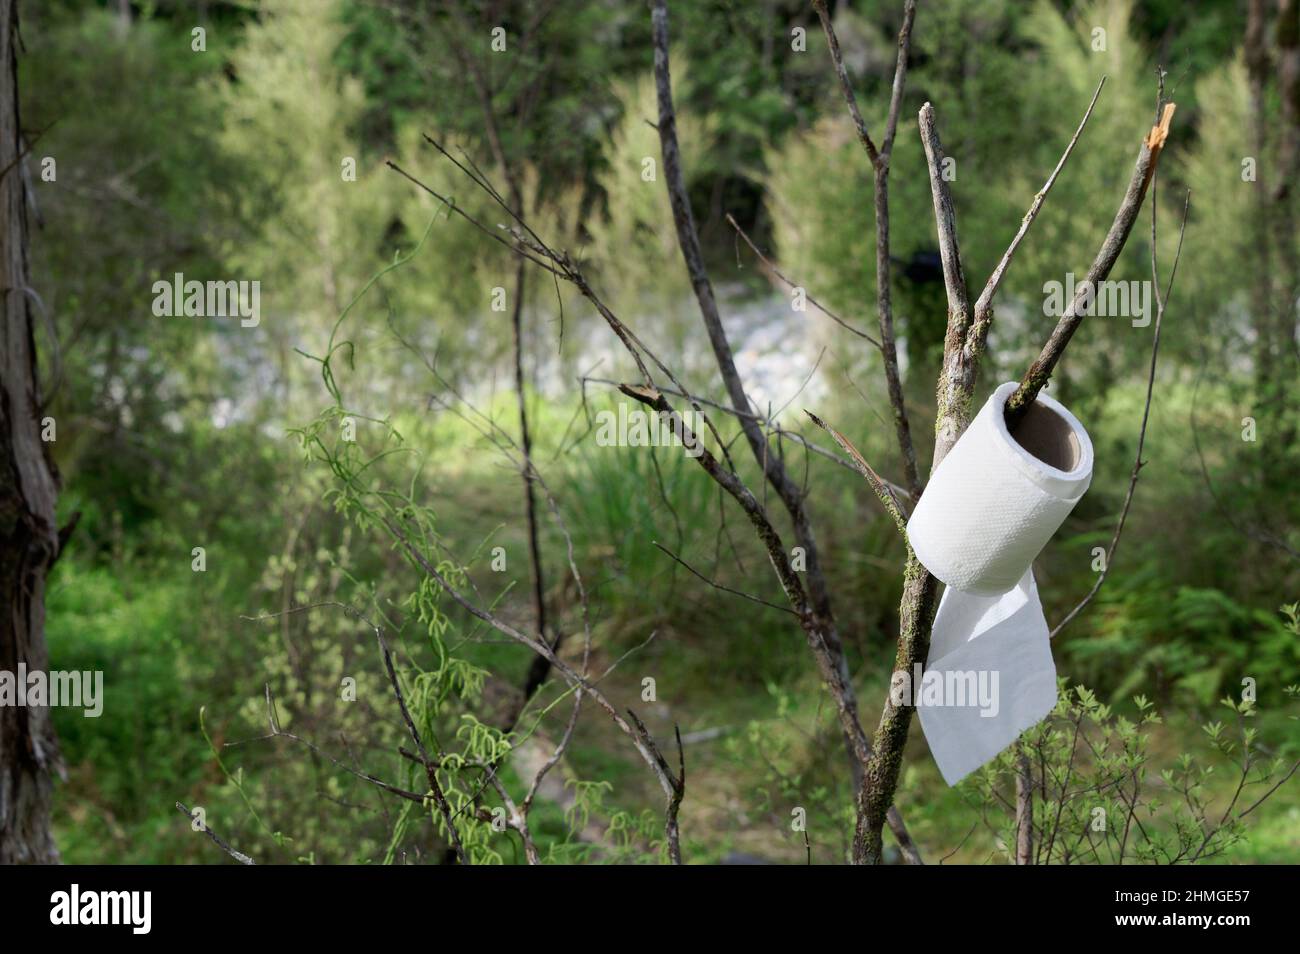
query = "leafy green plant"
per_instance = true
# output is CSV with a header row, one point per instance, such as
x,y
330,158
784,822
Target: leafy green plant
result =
x,y
1097,796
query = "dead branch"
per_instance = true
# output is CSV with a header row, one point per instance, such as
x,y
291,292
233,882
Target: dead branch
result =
x,y
1041,370
1138,462
957,377
767,263
841,692
880,166
720,586
678,782
769,423
984,304
882,489
884,304
824,638
837,58
193,816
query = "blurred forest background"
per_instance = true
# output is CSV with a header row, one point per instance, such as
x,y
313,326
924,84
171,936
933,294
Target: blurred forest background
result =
x,y
228,163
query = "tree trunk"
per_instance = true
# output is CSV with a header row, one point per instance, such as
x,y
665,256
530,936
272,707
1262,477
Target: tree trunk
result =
x,y
29,540
1024,808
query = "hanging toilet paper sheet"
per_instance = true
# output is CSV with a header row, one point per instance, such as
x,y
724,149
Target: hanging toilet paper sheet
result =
x,y
989,509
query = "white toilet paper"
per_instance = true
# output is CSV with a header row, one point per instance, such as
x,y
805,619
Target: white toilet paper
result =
x,y
1002,640
990,508
991,505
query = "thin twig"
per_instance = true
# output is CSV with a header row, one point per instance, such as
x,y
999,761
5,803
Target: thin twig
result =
x,y
792,284
884,279
880,166
775,428
1041,370
239,856
722,586
1138,462
882,489
984,304
837,58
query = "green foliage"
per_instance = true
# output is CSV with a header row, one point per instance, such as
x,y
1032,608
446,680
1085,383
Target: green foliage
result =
x,y
1194,642
635,235
134,629
1100,798
230,164
806,799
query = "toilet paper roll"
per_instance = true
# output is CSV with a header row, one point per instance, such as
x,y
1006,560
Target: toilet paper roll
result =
x,y
996,649
991,506
995,500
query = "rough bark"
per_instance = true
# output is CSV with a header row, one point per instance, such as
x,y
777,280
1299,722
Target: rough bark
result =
x,y
29,540
877,793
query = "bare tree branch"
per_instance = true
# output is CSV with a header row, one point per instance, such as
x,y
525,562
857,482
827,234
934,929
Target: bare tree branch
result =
x,y
539,669
239,856
791,284
827,642
984,304
884,301
841,692
776,429
1041,370
1138,462
837,58
957,378
678,782
720,586
882,489
880,167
